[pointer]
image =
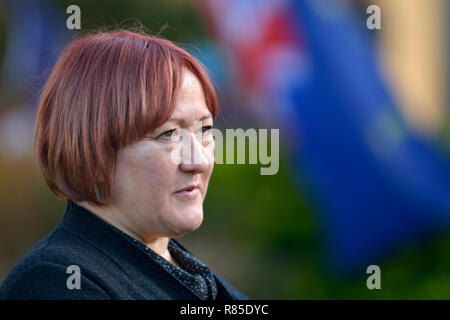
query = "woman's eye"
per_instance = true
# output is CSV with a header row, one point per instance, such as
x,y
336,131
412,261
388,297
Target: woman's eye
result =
x,y
206,128
168,133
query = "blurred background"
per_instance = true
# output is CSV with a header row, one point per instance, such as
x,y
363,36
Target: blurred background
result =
x,y
364,138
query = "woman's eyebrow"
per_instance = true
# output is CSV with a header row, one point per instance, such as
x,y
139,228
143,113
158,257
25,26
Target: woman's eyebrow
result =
x,y
183,121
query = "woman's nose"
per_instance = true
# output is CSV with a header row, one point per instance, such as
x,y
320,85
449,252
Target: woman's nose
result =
x,y
193,157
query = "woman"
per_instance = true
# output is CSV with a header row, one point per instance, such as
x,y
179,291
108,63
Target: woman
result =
x,y
104,140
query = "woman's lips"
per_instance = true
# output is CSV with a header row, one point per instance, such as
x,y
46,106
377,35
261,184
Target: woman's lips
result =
x,y
190,193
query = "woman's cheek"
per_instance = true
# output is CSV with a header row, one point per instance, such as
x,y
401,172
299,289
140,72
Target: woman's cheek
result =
x,y
171,152
210,152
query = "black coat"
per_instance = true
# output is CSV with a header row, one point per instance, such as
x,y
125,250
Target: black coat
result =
x,y
111,267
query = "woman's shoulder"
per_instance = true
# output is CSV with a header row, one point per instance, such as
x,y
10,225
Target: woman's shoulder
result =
x,y
59,247
46,269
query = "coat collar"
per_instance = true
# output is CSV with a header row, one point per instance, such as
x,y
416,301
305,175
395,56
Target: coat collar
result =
x,y
108,239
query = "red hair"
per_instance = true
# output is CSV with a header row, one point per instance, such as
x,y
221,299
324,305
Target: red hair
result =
x,y
106,91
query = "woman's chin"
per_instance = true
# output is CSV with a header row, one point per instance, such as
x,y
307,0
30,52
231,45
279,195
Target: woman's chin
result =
x,y
190,221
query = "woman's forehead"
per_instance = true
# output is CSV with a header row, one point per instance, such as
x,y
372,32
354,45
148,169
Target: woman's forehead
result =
x,y
190,103
191,88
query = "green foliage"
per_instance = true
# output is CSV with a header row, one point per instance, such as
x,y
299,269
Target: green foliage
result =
x,y
178,19
270,217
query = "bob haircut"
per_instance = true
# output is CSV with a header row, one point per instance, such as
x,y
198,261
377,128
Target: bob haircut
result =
x,y
106,91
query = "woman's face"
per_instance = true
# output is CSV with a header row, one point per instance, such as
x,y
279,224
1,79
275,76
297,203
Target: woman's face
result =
x,y
146,196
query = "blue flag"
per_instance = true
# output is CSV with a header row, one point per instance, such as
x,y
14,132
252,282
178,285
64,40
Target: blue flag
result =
x,y
310,69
